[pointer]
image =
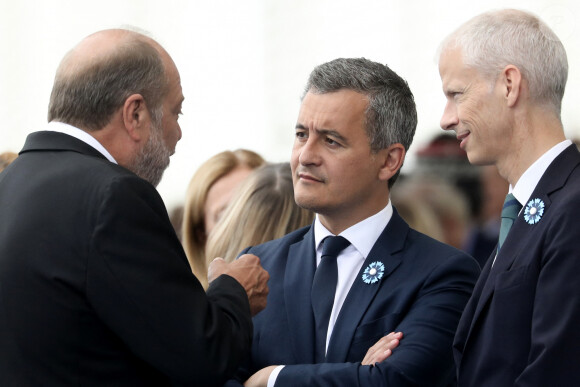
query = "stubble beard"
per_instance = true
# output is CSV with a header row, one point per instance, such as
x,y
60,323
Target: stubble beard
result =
x,y
153,159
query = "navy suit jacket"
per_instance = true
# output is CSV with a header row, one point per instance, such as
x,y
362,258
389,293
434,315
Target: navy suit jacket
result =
x,y
425,287
522,325
95,288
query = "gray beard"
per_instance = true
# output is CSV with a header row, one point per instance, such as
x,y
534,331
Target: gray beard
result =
x,y
153,159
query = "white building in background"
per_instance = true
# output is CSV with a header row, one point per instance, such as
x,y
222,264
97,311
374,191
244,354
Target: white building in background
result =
x,y
244,64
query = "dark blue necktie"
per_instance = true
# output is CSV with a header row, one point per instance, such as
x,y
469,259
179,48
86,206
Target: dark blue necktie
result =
x,y
509,213
323,290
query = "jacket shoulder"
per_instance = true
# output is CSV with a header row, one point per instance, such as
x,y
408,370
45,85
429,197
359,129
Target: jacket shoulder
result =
x,y
280,243
426,248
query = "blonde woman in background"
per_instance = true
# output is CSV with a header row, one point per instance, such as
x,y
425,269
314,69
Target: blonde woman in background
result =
x,y
209,192
6,159
262,210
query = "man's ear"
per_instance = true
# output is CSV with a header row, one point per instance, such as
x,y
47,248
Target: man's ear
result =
x,y
392,160
511,83
135,116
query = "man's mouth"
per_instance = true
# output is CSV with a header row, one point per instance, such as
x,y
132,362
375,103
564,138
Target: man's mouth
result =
x,y
462,137
307,177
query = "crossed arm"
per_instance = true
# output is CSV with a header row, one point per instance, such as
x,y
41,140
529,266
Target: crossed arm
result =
x,y
376,354
423,356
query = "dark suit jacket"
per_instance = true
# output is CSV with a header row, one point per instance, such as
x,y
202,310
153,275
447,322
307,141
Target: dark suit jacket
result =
x,y
425,287
95,288
522,325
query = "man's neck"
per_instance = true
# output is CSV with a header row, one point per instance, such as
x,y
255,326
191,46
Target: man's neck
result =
x,y
340,221
533,136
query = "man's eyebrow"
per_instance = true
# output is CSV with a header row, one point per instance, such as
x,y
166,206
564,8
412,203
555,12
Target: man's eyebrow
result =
x,y
450,90
325,132
333,133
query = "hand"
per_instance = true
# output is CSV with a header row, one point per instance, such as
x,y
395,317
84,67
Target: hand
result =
x,y
248,271
382,349
260,378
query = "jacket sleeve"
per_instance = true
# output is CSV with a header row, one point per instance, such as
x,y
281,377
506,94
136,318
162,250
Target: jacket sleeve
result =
x,y
141,286
424,355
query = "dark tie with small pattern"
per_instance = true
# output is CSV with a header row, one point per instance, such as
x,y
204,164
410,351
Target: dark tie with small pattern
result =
x,y
509,213
323,290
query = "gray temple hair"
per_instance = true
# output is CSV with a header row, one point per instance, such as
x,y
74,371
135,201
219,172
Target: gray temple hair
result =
x,y
391,116
88,95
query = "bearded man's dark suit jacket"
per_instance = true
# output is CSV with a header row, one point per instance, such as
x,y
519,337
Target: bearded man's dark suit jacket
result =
x,y
95,288
425,287
522,325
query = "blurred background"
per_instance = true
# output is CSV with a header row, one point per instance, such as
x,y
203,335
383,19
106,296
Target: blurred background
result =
x,y
244,63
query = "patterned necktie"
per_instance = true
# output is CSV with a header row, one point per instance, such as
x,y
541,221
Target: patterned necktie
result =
x,y
509,213
323,290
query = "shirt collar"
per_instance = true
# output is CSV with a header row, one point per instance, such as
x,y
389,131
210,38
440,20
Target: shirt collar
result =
x,y
362,235
529,180
80,134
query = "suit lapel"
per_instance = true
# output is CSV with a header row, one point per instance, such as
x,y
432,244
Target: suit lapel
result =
x,y
361,294
553,179
503,262
468,316
297,286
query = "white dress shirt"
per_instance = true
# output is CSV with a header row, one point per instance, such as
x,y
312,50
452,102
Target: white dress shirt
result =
x,y
362,237
531,177
80,134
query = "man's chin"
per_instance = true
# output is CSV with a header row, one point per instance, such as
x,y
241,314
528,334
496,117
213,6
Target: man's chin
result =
x,y
308,203
477,159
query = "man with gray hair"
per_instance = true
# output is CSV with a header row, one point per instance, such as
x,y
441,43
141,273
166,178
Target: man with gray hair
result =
x,y
358,272
504,75
95,288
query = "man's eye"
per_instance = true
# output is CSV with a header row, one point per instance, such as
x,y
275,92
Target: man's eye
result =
x,y
332,142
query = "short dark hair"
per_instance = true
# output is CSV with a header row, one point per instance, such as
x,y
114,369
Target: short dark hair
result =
x,y
391,116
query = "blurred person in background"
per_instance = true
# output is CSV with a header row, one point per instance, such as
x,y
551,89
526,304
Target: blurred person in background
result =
x,y
443,159
435,207
208,194
6,158
263,209
483,234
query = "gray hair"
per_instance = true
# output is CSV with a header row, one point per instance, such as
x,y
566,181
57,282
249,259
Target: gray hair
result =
x,y
391,116
87,95
495,39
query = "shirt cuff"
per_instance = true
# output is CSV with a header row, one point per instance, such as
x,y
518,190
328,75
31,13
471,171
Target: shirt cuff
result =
x,y
274,375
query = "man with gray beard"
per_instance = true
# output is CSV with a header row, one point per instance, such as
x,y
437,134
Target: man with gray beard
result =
x,y
95,288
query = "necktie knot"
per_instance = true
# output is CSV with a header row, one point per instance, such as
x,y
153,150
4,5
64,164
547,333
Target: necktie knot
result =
x,y
333,245
511,209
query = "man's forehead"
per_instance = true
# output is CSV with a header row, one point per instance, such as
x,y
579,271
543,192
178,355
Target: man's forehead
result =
x,y
452,66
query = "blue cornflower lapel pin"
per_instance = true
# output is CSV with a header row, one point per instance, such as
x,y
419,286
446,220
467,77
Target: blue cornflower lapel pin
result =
x,y
373,273
534,211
